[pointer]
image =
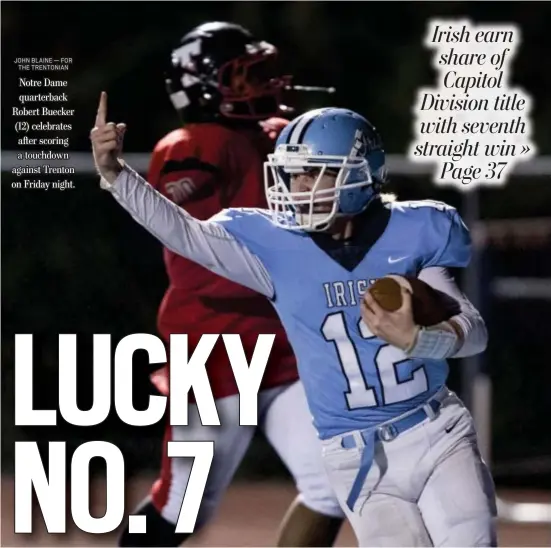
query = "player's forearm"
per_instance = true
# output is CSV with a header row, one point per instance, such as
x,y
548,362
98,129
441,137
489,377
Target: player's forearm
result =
x,y
473,335
205,243
108,177
468,326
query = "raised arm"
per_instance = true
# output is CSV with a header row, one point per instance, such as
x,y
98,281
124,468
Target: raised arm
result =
x,y
205,243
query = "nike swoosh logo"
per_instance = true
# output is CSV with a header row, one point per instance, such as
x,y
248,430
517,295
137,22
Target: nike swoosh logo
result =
x,y
391,260
450,428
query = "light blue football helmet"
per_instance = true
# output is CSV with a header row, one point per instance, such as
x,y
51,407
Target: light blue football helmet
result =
x,y
334,139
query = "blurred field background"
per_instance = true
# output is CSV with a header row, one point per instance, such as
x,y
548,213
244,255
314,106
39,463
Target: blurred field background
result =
x,y
72,263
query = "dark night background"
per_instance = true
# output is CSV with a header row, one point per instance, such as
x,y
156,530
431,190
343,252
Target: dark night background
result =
x,y
72,263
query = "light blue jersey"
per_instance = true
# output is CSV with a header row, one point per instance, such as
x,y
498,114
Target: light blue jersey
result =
x,y
330,163
353,379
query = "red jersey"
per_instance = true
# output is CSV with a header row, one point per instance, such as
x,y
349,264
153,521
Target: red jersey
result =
x,y
205,168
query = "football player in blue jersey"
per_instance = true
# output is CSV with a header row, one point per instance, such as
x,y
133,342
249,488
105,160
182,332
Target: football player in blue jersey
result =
x,y
399,447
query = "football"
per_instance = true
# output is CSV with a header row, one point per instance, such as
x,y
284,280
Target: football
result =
x,y
430,306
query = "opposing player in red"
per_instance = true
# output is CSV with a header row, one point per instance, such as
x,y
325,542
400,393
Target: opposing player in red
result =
x,y
226,87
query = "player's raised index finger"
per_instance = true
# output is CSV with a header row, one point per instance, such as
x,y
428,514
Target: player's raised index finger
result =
x,y
101,116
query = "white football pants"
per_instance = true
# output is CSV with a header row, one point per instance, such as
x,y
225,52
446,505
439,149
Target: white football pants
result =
x,y
427,487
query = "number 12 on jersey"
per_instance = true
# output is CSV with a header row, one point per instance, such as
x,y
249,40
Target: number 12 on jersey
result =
x,y
384,367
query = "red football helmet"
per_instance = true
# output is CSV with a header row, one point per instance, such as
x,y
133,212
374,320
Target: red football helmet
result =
x,y
221,72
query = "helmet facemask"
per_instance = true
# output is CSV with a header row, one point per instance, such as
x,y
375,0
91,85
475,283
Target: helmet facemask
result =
x,y
245,87
338,182
251,86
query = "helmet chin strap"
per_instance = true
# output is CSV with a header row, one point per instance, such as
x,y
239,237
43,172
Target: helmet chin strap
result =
x,y
328,220
319,222
314,218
